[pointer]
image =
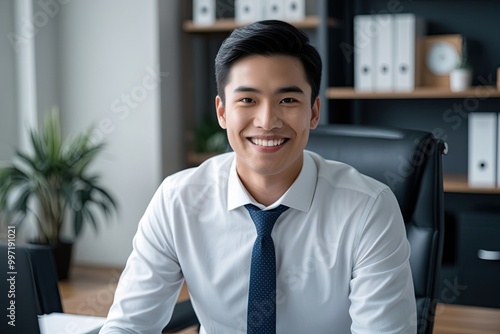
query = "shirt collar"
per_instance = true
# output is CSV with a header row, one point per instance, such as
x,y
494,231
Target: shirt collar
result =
x,y
299,196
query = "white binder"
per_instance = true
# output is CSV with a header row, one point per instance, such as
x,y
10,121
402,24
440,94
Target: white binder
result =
x,y
408,31
274,9
482,149
247,11
384,53
295,10
365,31
203,12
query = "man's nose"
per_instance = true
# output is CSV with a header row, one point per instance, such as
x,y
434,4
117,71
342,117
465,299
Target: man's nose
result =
x,y
267,117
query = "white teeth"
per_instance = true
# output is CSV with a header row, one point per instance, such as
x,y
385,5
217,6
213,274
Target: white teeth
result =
x,y
266,143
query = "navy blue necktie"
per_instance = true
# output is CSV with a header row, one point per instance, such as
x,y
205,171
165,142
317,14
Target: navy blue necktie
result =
x,y
261,315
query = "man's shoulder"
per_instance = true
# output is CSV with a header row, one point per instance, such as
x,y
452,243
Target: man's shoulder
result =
x,y
340,175
216,167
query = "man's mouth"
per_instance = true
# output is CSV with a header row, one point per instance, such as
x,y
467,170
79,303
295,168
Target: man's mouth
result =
x,y
267,142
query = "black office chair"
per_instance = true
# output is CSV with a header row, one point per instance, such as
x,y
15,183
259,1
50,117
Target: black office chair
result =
x,y
182,318
18,292
409,162
45,278
32,287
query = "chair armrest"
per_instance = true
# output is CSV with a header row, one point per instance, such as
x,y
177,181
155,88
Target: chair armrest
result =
x,y
182,317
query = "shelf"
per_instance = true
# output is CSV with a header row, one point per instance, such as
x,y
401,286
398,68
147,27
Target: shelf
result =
x,y
226,25
458,184
418,93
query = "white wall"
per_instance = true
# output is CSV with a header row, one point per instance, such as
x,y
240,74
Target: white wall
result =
x,y
97,60
8,115
108,51
46,54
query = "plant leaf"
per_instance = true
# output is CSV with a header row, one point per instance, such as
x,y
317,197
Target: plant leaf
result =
x,y
78,223
52,135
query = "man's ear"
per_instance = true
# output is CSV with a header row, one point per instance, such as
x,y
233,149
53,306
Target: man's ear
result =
x,y
315,113
221,111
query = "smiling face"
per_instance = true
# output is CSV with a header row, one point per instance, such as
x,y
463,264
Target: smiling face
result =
x,y
268,115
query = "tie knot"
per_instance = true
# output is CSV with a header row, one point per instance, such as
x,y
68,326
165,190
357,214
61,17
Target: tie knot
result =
x,y
264,220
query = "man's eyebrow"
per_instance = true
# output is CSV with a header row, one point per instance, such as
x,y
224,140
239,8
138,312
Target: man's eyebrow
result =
x,y
245,89
287,89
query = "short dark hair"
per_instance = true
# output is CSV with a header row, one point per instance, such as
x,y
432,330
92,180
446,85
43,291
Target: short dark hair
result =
x,y
270,37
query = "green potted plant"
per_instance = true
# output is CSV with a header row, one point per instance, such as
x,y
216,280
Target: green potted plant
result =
x,y
461,75
53,184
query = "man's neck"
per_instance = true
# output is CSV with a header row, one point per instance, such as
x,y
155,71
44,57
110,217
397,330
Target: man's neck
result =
x,y
267,189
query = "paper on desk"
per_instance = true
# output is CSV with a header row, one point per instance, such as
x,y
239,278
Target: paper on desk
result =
x,y
65,323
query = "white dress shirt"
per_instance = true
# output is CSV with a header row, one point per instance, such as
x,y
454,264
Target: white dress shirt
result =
x,y
341,251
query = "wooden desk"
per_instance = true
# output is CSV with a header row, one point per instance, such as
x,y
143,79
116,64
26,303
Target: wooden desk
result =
x,y
458,319
90,291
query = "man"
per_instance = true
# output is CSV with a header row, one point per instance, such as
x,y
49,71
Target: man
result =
x,y
340,249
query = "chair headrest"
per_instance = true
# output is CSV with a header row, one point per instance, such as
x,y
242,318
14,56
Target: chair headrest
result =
x,y
396,157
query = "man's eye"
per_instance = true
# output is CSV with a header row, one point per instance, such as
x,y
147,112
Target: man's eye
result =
x,y
246,100
288,100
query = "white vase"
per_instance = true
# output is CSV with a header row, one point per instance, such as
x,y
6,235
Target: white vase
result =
x,y
460,79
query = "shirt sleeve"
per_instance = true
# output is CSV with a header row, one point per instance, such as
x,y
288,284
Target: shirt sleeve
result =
x,y
381,289
151,281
